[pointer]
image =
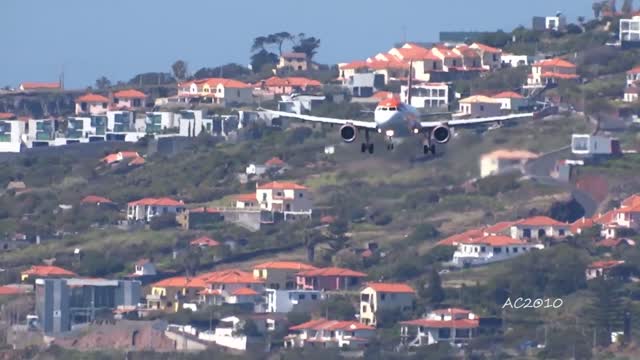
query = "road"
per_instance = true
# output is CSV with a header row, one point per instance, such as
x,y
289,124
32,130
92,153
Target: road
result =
x,y
540,170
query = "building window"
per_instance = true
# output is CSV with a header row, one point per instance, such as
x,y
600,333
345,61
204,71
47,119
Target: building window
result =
x,y
481,107
383,296
482,249
515,250
104,105
300,195
561,232
497,250
314,296
301,297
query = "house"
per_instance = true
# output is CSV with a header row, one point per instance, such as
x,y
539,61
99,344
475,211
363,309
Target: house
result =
x,y
41,132
40,86
549,23
510,100
491,57
256,169
275,163
287,85
581,224
329,333
285,301
45,272
539,227
589,145
156,121
120,156
479,106
144,267
512,60
384,296
424,62
489,249
628,216
451,61
550,71
170,293
145,209
11,132
364,85
602,268
228,333
295,61
244,201
455,326
220,91
633,75
502,161
92,104
285,197
615,243
280,274
331,278
629,34
190,123
471,59
231,287
96,200
631,93
204,242
428,95
128,99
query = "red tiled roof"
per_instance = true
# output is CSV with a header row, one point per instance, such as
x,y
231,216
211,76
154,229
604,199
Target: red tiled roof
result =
x,y
539,221
605,218
494,240
416,52
204,241
454,324
282,185
499,227
324,324
391,287
508,95
40,85
245,292
451,311
94,199
486,48
611,243
635,70
180,282
629,209
358,64
7,116
129,94
580,224
332,271
10,290
274,161
605,264
137,161
632,200
290,81
229,277
48,270
559,75
111,158
393,63
284,265
328,219
165,201
465,236
555,62
92,98
245,197
142,262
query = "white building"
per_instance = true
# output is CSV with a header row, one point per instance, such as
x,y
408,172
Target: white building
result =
x,y
144,267
455,326
255,169
145,209
285,197
513,60
284,301
41,132
631,93
121,121
92,104
510,100
427,95
479,106
384,296
502,161
157,121
11,132
191,123
601,268
539,227
630,30
228,333
329,333
586,144
219,91
490,249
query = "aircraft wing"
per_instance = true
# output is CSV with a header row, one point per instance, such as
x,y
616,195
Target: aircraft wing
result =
x,y
475,121
322,120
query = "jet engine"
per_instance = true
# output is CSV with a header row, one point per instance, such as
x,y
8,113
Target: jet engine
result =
x,y
441,134
349,133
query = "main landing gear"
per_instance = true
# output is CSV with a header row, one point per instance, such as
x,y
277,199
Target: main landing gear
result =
x,y
428,147
366,145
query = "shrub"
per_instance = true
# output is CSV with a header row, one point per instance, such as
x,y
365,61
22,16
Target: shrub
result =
x,y
494,185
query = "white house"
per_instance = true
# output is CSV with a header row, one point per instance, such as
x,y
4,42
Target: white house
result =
x,y
490,249
479,106
631,93
92,104
144,267
11,132
41,132
156,121
630,30
219,91
329,333
427,95
284,301
587,144
145,209
128,99
550,71
190,122
491,57
455,326
228,332
601,268
510,100
384,296
633,75
285,197
539,227
255,169
514,60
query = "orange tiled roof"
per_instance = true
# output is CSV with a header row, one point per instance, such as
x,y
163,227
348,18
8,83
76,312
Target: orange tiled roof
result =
x,y
230,277
605,264
274,161
508,95
555,62
137,161
7,116
331,271
244,292
540,221
204,241
40,85
130,94
180,282
550,74
358,64
465,236
48,270
282,185
606,218
451,311
291,81
324,324
631,201
164,201
284,265
10,290
486,48
416,52
635,70
391,287
94,199
494,240
614,242
92,98
393,63
498,227
582,223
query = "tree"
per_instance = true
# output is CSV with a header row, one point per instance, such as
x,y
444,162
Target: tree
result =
x,y
279,39
627,7
338,308
229,71
597,9
103,83
566,211
262,59
424,231
436,293
307,45
574,29
179,69
606,312
250,329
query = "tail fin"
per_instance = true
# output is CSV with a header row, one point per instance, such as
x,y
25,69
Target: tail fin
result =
x,y
410,82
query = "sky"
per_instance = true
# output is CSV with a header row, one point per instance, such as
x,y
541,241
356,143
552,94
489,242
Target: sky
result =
x,y
121,38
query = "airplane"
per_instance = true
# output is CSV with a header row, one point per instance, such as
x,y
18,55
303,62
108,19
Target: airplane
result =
x,y
395,119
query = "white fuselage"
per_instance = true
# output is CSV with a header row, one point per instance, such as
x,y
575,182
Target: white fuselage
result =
x,y
400,121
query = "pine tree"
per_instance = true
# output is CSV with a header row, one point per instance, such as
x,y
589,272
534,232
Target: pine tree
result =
x,y
606,312
436,293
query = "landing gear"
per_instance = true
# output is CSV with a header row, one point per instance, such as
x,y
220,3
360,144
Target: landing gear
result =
x,y
428,147
390,144
367,145
370,148
363,147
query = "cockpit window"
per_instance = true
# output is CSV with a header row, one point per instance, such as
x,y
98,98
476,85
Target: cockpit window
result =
x,y
384,109
392,109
